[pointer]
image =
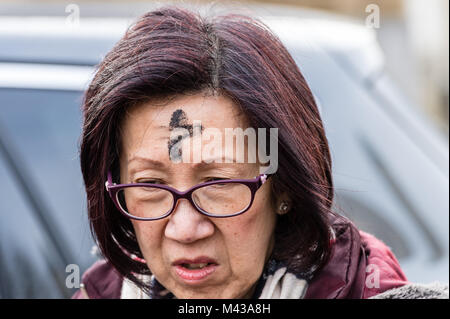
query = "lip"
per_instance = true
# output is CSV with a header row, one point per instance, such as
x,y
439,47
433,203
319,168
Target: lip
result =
x,y
192,276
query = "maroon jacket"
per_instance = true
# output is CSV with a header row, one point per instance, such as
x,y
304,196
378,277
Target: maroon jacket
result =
x,y
352,271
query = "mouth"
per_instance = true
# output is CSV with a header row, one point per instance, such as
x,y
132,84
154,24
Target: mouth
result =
x,y
195,270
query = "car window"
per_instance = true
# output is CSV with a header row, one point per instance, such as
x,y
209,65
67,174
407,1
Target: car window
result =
x,y
40,131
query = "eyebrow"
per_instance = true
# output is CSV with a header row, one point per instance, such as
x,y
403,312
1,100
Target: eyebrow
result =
x,y
147,160
160,164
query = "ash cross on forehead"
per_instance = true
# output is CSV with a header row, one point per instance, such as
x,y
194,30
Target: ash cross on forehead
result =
x,y
181,129
177,121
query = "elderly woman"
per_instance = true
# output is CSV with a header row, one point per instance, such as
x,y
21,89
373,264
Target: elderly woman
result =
x,y
176,214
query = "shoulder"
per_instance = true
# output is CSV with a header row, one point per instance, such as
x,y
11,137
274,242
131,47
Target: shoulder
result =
x,y
383,271
360,266
100,281
343,275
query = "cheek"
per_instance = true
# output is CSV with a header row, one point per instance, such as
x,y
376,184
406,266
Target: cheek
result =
x,y
248,236
149,237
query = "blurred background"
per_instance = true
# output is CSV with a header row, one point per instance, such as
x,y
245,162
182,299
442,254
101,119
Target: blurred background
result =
x,y
379,72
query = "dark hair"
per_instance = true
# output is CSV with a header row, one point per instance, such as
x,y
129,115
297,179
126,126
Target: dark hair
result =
x,y
173,51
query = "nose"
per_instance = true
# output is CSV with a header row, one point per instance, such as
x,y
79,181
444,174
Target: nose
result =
x,y
186,225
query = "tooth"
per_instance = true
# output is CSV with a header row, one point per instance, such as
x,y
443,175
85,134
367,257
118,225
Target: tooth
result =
x,y
196,266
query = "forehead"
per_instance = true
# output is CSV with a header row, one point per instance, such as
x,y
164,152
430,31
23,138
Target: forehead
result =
x,y
200,106
149,125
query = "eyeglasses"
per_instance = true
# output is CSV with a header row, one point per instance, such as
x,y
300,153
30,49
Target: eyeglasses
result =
x,y
220,198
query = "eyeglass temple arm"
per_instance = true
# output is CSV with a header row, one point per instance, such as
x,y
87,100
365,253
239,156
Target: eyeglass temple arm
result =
x,y
109,181
263,178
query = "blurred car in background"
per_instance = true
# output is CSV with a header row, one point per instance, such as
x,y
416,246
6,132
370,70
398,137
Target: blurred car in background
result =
x,y
390,165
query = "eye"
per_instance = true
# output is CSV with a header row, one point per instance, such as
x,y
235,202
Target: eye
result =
x,y
150,181
212,179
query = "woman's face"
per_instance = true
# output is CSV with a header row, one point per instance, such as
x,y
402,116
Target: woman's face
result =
x,y
236,247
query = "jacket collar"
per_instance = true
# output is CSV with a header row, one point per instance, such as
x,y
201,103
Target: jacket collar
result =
x,y
344,274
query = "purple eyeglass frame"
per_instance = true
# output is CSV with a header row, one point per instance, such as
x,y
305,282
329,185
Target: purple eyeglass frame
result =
x,y
253,184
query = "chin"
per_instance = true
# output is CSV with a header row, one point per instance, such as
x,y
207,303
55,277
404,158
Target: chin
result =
x,y
212,293
198,295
